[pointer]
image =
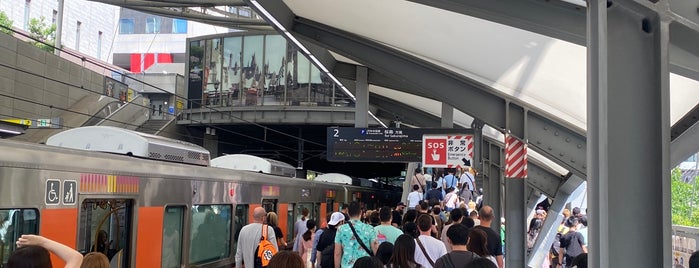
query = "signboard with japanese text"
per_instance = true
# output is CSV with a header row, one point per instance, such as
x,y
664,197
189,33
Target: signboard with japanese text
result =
x,y
447,151
348,144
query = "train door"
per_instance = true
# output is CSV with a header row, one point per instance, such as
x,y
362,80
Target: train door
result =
x,y
105,225
270,205
173,227
330,205
316,213
300,207
13,224
240,220
290,221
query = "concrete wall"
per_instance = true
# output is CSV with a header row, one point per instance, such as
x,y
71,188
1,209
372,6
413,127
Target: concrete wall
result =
x,y
37,84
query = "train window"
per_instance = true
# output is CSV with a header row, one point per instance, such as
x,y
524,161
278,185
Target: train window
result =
x,y
241,219
105,226
270,205
210,233
330,205
173,222
13,224
316,212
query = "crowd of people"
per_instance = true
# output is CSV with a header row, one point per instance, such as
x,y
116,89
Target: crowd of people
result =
x,y
388,237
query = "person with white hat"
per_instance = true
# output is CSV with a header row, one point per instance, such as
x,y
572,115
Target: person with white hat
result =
x,y
326,243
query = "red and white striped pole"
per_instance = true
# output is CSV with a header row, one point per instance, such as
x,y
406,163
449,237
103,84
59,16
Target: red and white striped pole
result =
x,y
515,157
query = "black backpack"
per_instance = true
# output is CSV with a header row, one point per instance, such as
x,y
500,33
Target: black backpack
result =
x,y
327,256
556,246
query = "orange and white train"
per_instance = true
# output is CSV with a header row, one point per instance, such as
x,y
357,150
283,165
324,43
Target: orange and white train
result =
x,y
174,213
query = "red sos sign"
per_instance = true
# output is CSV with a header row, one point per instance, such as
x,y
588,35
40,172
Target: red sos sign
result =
x,y
434,151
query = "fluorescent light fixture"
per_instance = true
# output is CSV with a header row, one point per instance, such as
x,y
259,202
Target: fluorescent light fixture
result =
x,y
321,66
377,119
10,131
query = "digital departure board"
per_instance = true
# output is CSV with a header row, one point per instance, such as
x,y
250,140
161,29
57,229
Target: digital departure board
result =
x,y
348,144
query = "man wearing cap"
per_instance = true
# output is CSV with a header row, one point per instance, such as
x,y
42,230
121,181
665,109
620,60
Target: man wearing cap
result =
x,y
326,243
397,217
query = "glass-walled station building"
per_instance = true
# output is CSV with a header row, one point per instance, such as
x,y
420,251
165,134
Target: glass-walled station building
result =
x,y
255,69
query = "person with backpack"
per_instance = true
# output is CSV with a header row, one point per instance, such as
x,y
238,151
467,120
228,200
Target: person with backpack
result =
x,y
450,181
326,242
256,243
572,244
459,257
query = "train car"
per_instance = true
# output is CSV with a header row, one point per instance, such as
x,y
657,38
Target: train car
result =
x,y
148,213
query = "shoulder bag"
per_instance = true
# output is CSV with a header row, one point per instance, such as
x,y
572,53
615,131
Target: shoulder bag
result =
x,y
424,252
360,240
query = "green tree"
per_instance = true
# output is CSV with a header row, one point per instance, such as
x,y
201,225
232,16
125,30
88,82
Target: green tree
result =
x,y
44,32
685,210
6,23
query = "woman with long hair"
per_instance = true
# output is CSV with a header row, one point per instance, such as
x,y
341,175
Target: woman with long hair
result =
x,y
307,240
478,243
403,253
273,221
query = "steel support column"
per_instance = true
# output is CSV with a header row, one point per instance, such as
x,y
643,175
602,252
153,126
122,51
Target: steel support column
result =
x,y
493,164
447,115
628,128
477,127
362,94
515,222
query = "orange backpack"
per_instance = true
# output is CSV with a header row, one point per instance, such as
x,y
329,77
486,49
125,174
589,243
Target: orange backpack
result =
x,y
265,250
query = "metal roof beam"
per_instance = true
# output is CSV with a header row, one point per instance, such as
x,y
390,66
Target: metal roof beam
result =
x,y
561,143
403,112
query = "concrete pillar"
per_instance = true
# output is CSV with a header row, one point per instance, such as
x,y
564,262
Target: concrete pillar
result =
x,y
211,144
59,28
628,135
447,116
361,109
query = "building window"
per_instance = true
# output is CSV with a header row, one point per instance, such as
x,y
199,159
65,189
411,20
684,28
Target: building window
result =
x,y
77,36
126,26
179,26
153,25
27,5
244,12
99,45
